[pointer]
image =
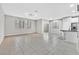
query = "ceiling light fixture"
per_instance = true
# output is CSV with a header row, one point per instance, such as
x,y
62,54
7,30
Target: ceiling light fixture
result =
x,y
72,5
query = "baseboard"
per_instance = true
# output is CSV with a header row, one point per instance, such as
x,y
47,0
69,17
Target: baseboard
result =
x,y
1,39
20,34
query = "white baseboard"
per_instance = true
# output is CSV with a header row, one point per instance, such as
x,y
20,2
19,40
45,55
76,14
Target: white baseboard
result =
x,y
1,39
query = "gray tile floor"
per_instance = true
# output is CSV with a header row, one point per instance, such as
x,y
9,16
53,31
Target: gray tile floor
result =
x,y
36,44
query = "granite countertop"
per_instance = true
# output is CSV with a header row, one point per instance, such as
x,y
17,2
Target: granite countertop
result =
x,y
68,31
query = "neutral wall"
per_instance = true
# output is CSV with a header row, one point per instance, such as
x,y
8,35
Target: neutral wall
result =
x,y
39,26
1,24
10,28
44,23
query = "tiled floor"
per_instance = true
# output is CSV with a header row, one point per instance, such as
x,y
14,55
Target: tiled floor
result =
x,y
36,44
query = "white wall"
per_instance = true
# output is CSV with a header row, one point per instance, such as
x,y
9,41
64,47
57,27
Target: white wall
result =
x,y
44,23
1,24
39,26
10,28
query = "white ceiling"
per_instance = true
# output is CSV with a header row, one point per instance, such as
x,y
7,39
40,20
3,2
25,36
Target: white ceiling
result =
x,y
49,10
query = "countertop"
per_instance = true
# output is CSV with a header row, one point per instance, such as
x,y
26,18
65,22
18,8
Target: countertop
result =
x,y
68,31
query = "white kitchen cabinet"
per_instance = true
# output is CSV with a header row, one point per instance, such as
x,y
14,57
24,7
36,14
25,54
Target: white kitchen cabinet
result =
x,y
71,36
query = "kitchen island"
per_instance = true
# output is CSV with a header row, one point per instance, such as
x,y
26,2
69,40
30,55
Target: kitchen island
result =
x,y
70,36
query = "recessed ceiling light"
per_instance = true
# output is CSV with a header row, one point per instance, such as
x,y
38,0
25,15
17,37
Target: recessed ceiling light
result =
x,y
71,5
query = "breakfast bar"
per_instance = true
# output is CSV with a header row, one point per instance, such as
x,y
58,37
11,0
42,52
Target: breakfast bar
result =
x,y
70,36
